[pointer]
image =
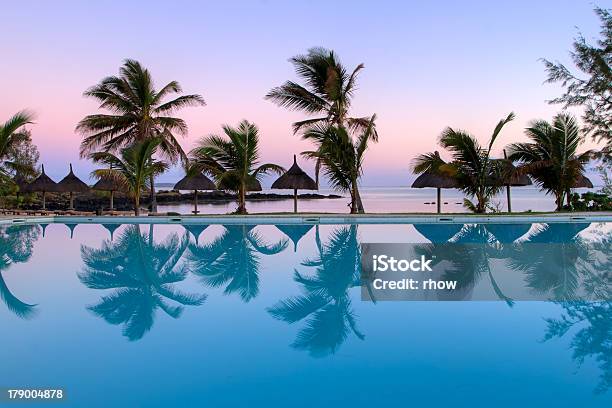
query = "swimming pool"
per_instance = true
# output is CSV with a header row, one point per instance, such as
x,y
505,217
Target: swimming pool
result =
x,y
271,315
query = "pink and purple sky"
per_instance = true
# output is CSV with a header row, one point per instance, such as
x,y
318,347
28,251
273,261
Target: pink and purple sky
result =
x,y
428,65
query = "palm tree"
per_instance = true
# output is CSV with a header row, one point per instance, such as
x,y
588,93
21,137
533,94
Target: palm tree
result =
x,y
142,274
471,165
327,92
551,158
232,259
11,134
341,156
133,170
326,301
234,160
16,244
138,111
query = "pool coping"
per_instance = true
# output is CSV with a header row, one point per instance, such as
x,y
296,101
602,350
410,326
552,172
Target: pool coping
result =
x,y
315,218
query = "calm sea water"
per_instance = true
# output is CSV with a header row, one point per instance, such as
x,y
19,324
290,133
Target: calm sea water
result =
x,y
383,199
237,315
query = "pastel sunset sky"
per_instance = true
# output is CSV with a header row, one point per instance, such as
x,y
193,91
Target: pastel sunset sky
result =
x,y
428,65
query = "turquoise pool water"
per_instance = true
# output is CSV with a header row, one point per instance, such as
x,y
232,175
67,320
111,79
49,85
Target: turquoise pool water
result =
x,y
238,315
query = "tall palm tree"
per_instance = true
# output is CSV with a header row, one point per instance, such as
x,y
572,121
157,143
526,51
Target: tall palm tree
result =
x,y
16,244
471,164
233,160
133,169
325,302
551,157
11,134
327,92
138,111
142,275
232,259
341,156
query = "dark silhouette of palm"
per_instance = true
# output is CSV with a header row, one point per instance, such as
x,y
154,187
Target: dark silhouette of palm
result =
x,y
16,243
554,259
592,338
142,274
232,260
325,301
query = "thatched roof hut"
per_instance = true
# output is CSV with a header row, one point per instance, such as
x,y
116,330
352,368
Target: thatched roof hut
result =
x,y
195,181
295,179
295,232
583,182
43,184
72,184
437,181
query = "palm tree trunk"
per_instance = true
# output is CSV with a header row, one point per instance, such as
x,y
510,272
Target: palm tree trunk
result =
x,y
568,194
242,199
137,204
153,196
360,209
559,200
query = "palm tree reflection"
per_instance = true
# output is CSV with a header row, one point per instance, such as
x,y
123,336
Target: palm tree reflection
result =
x,y
325,301
142,274
232,260
16,244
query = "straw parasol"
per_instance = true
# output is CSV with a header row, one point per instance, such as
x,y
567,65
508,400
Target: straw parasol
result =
x,y
71,227
438,233
295,178
295,232
107,184
510,177
111,228
195,182
436,181
72,184
583,182
43,184
195,230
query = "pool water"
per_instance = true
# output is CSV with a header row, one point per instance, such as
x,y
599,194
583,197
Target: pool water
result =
x,y
264,315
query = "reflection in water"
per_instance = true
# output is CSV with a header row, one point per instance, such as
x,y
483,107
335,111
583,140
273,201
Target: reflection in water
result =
x,y
142,274
592,322
232,260
16,244
325,300
295,232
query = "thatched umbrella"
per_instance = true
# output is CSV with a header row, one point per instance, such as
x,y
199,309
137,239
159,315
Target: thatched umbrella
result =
x,y
195,182
437,181
510,177
583,182
72,184
195,230
43,184
295,232
438,233
71,227
111,228
295,178
107,184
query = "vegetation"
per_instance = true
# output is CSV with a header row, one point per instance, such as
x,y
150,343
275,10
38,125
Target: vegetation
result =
x,y
590,86
327,92
233,160
471,165
551,158
17,153
134,169
138,111
590,202
341,157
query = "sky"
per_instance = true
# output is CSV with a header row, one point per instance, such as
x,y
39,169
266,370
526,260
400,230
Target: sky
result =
x,y
428,65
